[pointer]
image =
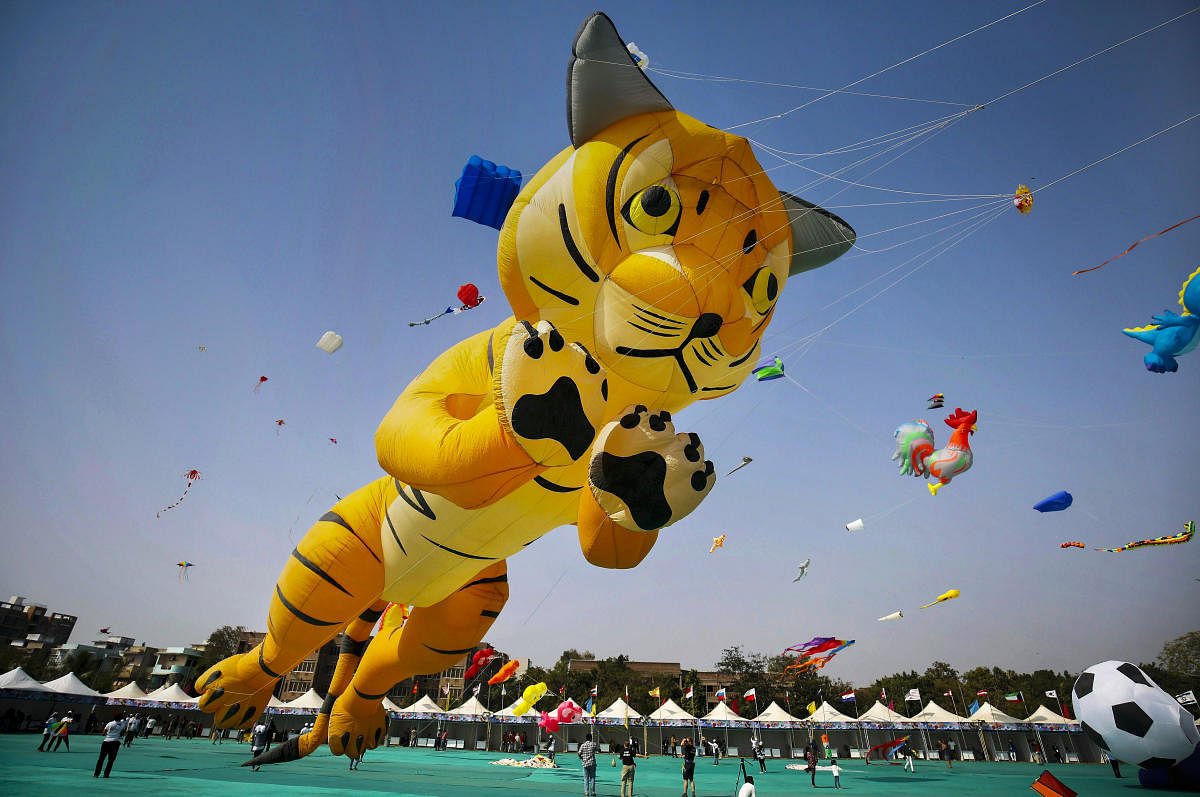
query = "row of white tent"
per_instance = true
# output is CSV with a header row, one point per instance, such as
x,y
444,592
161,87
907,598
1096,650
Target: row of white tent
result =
x,y
69,684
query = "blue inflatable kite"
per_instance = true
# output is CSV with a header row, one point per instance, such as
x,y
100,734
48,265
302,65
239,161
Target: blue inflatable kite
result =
x,y
485,192
1055,503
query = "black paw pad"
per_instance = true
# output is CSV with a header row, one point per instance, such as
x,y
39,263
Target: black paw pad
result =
x,y
691,452
534,347
657,424
640,408
629,421
699,480
556,414
666,416
638,481
556,340
604,389
589,362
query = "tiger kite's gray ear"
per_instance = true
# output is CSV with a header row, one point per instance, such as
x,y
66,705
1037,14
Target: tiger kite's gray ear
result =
x,y
604,83
818,236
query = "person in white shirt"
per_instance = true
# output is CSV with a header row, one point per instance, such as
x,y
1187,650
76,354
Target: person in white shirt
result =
x,y
111,743
747,789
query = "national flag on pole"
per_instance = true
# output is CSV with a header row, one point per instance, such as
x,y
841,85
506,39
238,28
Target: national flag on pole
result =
x,y
475,691
912,694
1013,697
749,695
973,708
1052,693
882,693
414,687
626,691
982,693
445,689
596,690
1188,698
848,696
720,693
691,691
562,690
654,692
947,693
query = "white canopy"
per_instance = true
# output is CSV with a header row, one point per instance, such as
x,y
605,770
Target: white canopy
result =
x,y
472,708
881,713
426,705
827,713
1048,717
722,712
507,711
275,702
69,684
171,694
620,710
775,713
309,701
130,691
670,711
17,678
935,713
388,705
989,713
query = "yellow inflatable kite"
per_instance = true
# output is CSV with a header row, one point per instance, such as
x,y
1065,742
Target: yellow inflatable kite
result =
x,y
642,265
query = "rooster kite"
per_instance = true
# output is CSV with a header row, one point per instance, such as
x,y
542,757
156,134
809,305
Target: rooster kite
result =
x,y
915,451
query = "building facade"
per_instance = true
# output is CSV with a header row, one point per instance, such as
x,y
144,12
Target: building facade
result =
x,y
175,666
33,625
315,672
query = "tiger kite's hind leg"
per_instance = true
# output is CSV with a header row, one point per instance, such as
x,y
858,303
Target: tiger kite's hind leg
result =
x,y
434,638
332,576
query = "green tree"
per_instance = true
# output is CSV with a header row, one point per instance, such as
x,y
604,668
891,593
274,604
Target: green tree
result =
x,y
1181,655
222,643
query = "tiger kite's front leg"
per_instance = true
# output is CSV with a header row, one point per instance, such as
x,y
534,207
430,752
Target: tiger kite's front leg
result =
x,y
433,639
642,477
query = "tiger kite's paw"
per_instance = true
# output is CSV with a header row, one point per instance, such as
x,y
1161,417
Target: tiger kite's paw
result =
x,y
233,699
644,475
552,394
356,726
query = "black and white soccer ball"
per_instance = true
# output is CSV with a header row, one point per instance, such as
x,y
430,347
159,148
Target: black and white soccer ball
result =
x,y
1127,715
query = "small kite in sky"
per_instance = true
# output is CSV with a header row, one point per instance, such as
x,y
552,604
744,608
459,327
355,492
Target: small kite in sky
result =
x,y
261,380
855,525
330,342
892,616
183,566
467,294
745,461
1071,544
803,570
639,57
1189,529
505,672
333,440
949,594
279,423
936,401
105,631
1054,503
191,476
769,369
718,542
202,348
1023,200
485,191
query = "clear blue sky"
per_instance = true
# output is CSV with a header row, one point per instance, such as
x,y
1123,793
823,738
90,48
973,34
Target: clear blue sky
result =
x,y
245,176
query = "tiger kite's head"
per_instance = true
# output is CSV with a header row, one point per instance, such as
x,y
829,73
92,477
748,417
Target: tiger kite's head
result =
x,y
656,241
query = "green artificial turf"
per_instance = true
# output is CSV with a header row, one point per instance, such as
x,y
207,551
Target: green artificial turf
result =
x,y
198,768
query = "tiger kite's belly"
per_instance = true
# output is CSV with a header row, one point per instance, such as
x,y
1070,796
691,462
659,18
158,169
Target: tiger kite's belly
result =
x,y
431,546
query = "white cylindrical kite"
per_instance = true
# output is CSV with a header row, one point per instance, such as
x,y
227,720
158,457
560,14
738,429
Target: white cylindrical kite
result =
x,y
855,525
892,616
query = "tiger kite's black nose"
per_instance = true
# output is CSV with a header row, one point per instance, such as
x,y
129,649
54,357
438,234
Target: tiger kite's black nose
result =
x,y
707,325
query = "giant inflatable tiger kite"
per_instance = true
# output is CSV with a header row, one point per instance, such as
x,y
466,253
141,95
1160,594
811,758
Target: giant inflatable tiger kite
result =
x,y
642,265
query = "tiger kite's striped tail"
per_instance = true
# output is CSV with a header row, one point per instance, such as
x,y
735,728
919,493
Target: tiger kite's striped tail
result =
x,y
354,644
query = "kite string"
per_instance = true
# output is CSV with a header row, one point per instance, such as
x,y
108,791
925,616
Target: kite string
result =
x,y
1134,246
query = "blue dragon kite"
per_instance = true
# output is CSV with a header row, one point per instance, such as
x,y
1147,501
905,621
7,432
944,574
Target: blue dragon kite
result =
x,y
1172,335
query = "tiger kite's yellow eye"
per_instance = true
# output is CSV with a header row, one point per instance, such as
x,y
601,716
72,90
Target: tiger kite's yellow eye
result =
x,y
654,210
763,287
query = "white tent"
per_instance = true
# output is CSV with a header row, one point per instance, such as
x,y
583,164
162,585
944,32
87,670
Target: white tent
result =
x,y
722,712
775,713
827,713
275,702
620,710
935,713
507,711
425,705
881,713
130,691
989,713
391,707
171,694
472,708
670,711
309,701
17,678
1048,717
69,684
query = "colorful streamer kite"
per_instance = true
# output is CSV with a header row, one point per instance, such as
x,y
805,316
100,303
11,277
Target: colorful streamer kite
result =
x,y
183,566
1072,544
815,654
1189,529
192,476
